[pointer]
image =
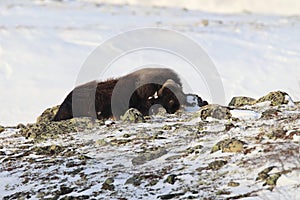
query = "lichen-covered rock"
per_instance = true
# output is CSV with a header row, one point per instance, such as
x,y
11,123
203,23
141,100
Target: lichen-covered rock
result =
x,y
214,111
48,114
276,98
229,145
48,150
217,164
171,179
241,101
48,129
1,128
133,115
108,184
233,184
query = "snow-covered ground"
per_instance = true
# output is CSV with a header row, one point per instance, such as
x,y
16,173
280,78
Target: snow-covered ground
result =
x,y
43,44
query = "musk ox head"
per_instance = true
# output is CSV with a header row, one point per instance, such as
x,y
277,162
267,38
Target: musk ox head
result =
x,y
170,96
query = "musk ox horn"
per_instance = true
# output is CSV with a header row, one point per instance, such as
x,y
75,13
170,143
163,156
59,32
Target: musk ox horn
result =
x,y
171,84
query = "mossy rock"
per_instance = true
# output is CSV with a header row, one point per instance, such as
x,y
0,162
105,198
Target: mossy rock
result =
x,y
276,98
214,111
1,129
241,101
48,114
229,145
133,115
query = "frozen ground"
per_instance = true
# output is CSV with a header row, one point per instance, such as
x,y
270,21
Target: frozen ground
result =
x,y
43,45
247,153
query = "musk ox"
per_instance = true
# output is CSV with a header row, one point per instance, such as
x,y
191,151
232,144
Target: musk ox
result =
x,y
111,98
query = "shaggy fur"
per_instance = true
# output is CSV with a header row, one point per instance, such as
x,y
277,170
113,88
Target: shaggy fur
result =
x,y
135,90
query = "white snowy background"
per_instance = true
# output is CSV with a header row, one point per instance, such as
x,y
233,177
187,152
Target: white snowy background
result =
x,y
43,44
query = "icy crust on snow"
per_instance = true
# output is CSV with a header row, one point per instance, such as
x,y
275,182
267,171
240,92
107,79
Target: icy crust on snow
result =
x,y
173,156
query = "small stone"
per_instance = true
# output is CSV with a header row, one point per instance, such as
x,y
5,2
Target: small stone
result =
x,y
20,126
101,142
134,180
241,101
264,174
214,111
108,184
233,184
148,156
272,179
1,129
133,115
170,196
234,146
171,179
205,22
229,145
217,164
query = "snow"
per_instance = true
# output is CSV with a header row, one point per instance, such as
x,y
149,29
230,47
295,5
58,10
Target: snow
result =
x,y
245,114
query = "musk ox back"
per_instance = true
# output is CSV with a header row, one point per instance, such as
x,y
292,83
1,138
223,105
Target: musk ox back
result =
x,y
140,89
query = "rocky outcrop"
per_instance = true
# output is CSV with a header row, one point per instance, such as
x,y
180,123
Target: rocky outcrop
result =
x,y
276,98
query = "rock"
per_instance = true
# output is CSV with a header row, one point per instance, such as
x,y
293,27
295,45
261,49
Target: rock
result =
x,y
217,164
48,129
1,129
148,156
171,179
276,98
270,113
108,184
171,196
214,111
264,174
134,180
241,101
229,145
272,179
205,22
20,126
49,150
48,114
133,115
233,184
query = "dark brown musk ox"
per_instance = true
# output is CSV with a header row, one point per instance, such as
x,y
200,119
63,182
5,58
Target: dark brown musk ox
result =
x,y
111,98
